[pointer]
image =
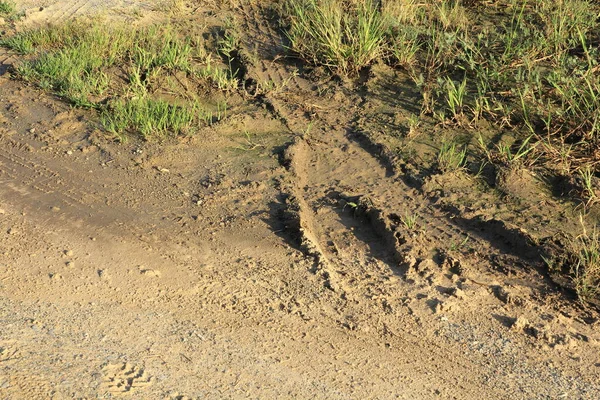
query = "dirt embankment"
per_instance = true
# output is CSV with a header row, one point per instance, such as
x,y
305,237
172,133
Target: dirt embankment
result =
x,y
285,252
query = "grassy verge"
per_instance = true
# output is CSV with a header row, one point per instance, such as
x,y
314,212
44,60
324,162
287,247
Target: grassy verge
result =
x,y
527,64
143,81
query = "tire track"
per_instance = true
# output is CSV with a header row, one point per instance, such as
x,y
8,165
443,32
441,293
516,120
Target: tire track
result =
x,y
320,162
61,194
264,48
40,177
51,14
62,11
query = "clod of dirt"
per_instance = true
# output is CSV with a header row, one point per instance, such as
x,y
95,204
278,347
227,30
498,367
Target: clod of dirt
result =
x,y
124,378
427,270
446,306
507,295
520,324
453,265
458,293
520,183
152,273
103,274
554,340
409,261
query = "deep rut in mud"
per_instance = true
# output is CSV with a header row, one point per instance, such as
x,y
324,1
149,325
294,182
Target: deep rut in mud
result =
x,y
330,161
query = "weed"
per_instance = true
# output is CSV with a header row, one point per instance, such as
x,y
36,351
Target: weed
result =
x,y
578,258
7,8
249,143
413,125
587,177
451,156
451,15
509,154
173,7
585,267
229,44
343,36
409,220
404,47
222,78
455,96
270,86
148,117
353,206
457,246
403,13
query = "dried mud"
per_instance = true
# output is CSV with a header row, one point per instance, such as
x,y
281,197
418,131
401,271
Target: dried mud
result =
x,y
202,267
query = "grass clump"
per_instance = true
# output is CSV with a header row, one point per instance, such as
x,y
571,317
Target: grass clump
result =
x,y
141,81
585,267
7,8
409,220
451,156
578,260
148,116
43,38
345,36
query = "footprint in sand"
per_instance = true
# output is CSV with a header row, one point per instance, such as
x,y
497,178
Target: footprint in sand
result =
x,y
124,378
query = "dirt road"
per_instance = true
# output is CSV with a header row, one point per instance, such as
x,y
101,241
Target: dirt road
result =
x,y
204,267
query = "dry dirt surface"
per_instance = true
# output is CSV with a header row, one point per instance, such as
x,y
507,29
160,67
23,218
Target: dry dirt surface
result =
x,y
206,268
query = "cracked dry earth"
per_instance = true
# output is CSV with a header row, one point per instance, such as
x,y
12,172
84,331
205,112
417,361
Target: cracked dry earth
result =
x,y
197,268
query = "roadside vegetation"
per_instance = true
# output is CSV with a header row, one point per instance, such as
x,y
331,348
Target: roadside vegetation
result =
x,y
8,11
528,64
7,8
151,81
528,67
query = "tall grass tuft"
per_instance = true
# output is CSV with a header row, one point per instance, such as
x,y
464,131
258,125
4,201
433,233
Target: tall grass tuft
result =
x,y
344,36
148,117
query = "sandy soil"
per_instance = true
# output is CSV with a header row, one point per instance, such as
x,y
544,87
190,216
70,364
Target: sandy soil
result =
x,y
203,267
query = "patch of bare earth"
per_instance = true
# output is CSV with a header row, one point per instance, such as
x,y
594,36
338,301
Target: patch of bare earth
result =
x,y
285,266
